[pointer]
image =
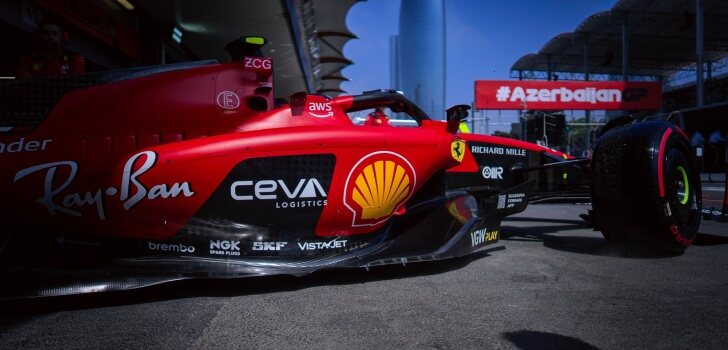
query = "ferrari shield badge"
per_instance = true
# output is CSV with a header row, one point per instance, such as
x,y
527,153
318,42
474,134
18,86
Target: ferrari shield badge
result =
x,y
457,149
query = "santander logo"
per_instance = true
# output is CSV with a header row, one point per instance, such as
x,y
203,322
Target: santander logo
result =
x,y
378,185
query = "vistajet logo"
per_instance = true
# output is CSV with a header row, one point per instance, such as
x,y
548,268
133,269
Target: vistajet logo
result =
x,y
332,244
563,94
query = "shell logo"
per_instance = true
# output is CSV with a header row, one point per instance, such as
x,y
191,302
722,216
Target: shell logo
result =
x,y
378,185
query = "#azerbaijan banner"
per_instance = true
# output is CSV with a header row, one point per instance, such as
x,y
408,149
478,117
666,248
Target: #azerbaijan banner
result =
x,y
565,95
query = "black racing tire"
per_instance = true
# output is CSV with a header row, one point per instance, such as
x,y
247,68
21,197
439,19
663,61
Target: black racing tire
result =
x,y
646,191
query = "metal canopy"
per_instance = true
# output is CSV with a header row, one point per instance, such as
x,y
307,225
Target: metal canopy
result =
x,y
332,35
305,37
661,40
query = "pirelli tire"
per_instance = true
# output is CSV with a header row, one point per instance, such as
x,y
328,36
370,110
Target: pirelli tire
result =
x,y
646,192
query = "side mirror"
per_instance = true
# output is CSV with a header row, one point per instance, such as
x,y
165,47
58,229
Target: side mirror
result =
x,y
455,115
459,112
298,103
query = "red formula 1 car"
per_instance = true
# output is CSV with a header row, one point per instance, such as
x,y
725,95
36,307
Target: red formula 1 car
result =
x,y
129,178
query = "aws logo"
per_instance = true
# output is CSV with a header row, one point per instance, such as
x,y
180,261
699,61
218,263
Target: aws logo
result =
x,y
378,185
320,109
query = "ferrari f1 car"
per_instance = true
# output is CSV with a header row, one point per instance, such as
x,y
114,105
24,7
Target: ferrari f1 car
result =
x,y
129,178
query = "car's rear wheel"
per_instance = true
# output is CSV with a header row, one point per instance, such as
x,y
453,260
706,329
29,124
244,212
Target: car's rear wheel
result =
x,y
646,187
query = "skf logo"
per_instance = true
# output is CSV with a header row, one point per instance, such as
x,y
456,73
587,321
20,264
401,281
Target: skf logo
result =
x,y
457,149
254,62
493,172
274,246
378,185
320,109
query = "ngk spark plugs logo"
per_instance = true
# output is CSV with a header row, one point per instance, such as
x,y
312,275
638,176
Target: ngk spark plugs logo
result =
x,y
223,247
567,95
378,185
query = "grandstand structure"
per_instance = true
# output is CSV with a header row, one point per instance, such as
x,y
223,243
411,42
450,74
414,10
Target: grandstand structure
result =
x,y
683,44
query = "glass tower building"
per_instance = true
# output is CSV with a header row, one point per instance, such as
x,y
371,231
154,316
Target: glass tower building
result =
x,y
419,63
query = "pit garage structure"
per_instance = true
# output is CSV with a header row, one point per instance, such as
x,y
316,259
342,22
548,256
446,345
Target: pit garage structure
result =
x,y
305,37
682,44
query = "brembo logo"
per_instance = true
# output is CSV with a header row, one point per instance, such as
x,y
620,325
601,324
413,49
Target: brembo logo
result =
x,y
378,185
176,248
253,62
320,109
590,95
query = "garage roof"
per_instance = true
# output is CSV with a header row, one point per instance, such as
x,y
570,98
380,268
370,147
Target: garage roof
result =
x,y
305,37
661,40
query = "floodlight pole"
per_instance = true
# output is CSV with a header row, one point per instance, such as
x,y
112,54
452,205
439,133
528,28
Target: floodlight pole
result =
x,y
587,113
524,108
545,138
472,119
699,51
625,51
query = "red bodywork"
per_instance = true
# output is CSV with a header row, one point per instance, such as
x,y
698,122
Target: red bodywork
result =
x,y
139,157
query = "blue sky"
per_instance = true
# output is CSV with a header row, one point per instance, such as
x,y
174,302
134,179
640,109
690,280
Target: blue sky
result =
x,y
484,38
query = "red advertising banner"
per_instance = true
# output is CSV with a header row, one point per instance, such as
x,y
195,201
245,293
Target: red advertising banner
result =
x,y
552,95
